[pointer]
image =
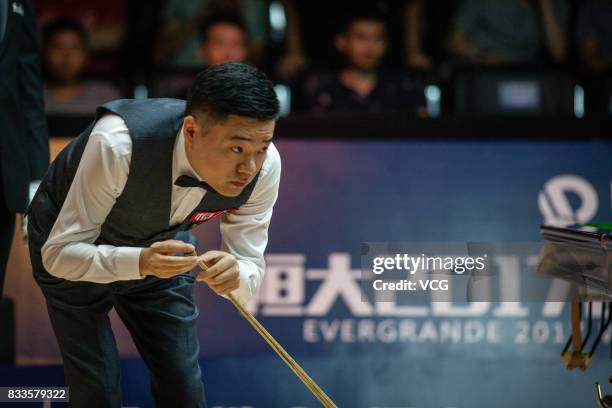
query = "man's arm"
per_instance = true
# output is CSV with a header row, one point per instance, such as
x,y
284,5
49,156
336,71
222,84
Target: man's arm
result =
x,y
553,29
69,252
176,31
245,233
31,96
413,38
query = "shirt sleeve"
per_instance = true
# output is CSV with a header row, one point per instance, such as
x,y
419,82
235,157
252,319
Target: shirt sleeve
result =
x,y
244,233
70,252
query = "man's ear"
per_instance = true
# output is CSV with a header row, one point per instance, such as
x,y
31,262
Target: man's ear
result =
x,y
191,128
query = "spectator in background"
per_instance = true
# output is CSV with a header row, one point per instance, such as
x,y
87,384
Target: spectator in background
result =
x,y
105,22
65,50
594,35
320,19
509,32
224,39
182,20
361,86
415,28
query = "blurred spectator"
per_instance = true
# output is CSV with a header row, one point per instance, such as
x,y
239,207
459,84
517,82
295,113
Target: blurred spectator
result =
x,y
224,39
594,34
507,32
105,22
320,21
65,49
415,28
361,85
182,20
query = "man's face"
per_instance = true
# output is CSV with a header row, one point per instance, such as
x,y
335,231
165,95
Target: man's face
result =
x,y
227,154
224,43
364,44
65,55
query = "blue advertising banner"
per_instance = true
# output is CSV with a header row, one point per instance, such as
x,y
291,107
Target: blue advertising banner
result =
x,y
337,194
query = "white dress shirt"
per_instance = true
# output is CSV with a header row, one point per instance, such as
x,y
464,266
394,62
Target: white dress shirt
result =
x,y
70,253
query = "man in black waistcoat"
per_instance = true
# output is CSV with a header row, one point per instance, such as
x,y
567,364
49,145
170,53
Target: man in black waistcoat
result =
x,y
103,222
24,147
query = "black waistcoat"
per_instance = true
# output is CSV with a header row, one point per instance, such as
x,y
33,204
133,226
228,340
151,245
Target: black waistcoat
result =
x,y
141,214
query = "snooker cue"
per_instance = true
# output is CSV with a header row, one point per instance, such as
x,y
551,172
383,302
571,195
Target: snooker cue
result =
x,y
295,367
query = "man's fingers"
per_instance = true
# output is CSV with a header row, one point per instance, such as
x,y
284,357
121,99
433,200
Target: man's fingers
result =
x,y
159,259
162,244
222,274
171,260
172,269
225,288
225,276
172,245
210,257
167,266
221,265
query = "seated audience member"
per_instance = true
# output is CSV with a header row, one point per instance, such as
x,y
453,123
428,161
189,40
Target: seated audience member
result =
x,y
105,22
64,59
361,86
319,20
594,35
224,39
179,39
509,32
177,45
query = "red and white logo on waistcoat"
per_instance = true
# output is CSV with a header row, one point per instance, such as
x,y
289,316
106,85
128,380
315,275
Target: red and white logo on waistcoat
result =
x,y
203,216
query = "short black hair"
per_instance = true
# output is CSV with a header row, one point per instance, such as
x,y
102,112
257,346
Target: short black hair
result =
x,y
222,18
233,88
360,14
64,24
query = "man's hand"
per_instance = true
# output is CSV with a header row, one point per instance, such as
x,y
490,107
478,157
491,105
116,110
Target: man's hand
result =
x,y
159,259
223,274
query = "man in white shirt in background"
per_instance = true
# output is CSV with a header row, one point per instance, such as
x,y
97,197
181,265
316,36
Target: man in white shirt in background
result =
x,y
102,228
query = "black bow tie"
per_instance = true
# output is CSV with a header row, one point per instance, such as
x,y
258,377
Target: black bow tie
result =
x,y
187,181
